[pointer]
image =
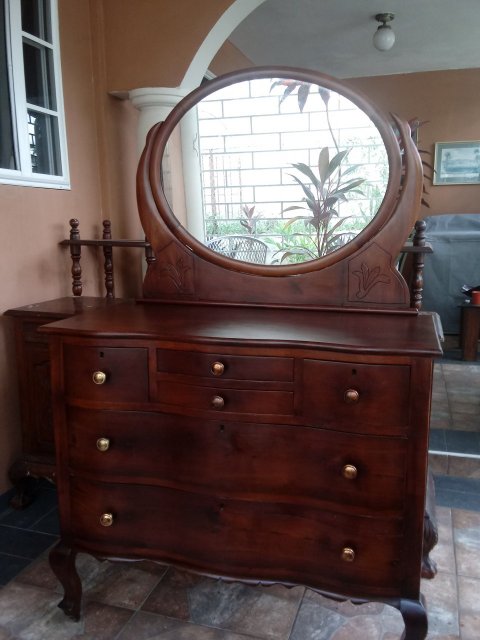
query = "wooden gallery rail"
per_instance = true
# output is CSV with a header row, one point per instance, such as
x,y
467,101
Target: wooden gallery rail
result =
x,y
76,243
411,261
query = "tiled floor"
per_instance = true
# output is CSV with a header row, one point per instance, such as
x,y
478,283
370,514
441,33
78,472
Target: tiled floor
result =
x,y
145,601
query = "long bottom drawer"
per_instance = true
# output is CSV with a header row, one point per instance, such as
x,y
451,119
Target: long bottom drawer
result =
x,y
251,540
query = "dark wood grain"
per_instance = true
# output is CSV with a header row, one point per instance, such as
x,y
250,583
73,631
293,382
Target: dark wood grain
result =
x,y
242,460
260,423
37,459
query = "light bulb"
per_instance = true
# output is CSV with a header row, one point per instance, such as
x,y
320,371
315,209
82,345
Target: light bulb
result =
x,y
384,38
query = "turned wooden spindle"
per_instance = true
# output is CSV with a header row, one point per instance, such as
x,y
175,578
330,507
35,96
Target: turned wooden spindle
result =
x,y
149,253
76,254
108,263
418,265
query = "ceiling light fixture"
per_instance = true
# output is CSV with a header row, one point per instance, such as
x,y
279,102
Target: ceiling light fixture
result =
x,y
384,36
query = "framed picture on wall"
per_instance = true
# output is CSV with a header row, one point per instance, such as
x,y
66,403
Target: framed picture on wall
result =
x,y
457,163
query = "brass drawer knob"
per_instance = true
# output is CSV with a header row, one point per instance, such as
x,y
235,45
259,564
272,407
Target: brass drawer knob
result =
x,y
350,472
351,396
348,554
99,377
103,444
218,402
218,368
106,519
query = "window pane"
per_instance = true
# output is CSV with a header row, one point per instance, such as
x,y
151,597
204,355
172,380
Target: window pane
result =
x,y
7,144
36,18
44,143
39,82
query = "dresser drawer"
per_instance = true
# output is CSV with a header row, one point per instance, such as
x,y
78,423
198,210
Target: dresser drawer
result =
x,y
248,539
352,397
125,372
227,366
178,396
344,472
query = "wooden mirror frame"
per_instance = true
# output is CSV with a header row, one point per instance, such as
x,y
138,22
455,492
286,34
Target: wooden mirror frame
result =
x,y
361,274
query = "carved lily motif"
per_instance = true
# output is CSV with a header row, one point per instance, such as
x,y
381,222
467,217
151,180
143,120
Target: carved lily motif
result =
x,y
176,272
368,279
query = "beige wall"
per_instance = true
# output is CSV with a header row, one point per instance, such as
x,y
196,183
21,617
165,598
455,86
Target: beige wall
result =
x,y
118,45
448,101
34,220
161,38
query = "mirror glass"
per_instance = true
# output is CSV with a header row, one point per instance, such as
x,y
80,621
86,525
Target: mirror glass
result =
x,y
275,171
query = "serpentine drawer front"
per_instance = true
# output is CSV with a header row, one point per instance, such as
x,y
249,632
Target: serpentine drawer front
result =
x,y
240,537
352,472
295,465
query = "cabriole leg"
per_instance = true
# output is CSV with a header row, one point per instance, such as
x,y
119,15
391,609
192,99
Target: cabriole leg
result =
x,y
414,616
62,561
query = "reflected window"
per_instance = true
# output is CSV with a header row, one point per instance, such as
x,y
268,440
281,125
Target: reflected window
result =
x,y
33,142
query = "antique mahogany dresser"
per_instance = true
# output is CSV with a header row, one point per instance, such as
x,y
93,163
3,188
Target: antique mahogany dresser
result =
x,y
258,419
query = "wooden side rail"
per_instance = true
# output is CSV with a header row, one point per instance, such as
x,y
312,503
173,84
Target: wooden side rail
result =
x,y
412,270
76,243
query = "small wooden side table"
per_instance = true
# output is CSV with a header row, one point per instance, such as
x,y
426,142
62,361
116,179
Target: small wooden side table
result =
x,y
470,332
37,459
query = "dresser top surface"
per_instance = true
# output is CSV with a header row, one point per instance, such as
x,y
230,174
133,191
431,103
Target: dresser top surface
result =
x,y
336,330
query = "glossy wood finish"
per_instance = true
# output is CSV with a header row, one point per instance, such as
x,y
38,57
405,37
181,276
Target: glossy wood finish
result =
x,y
258,423
107,243
33,375
215,475
362,273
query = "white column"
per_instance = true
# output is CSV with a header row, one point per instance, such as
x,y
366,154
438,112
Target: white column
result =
x,y
154,105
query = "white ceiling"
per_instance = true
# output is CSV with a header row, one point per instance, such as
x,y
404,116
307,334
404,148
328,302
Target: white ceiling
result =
x,y
335,36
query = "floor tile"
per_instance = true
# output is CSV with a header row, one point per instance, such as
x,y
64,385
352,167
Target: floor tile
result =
x,y
458,500
24,543
149,626
437,440
464,467
438,464
441,600
443,553
43,504
267,612
10,566
467,543
123,584
319,620
463,441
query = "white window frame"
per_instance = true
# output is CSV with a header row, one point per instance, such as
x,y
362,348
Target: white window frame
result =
x,y
24,175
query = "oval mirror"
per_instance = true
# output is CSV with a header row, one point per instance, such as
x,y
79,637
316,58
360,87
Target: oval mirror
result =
x,y
278,169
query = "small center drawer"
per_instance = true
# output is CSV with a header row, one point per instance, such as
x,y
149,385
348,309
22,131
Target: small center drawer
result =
x,y
112,374
239,401
219,365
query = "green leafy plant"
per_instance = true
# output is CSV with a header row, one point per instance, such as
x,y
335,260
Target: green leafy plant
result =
x,y
250,221
323,193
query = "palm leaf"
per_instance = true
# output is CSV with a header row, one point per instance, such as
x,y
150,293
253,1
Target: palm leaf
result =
x,y
303,92
323,163
336,161
311,201
306,170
